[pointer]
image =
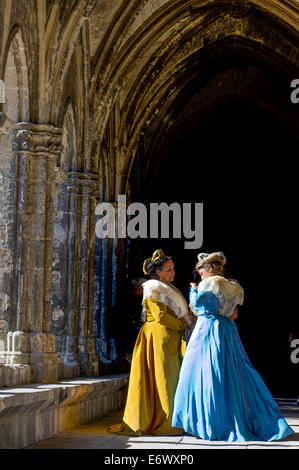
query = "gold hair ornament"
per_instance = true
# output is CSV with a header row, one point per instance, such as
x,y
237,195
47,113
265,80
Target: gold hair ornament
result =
x,y
157,255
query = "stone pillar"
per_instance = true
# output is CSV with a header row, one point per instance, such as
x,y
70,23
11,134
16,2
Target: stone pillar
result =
x,y
118,272
110,270
105,341
7,255
64,290
30,342
79,339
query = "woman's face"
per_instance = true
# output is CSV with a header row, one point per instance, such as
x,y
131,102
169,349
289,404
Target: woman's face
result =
x,y
205,272
167,272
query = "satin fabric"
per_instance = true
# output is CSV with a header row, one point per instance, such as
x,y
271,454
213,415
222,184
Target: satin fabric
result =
x,y
155,368
220,395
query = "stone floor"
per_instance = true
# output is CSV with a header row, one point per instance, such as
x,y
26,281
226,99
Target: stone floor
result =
x,y
94,436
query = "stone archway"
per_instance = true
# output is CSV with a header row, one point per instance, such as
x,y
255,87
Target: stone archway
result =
x,y
192,61
16,75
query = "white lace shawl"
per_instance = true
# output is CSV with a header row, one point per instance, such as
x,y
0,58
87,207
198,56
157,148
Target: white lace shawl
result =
x,y
168,294
228,291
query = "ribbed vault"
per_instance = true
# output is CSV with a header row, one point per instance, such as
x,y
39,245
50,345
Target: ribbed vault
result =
x,y
176,52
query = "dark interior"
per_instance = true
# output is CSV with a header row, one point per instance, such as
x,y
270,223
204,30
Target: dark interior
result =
x,y
240,162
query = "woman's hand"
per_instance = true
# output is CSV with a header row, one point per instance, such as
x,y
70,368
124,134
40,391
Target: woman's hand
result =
x,y
192,284
192,316
234,315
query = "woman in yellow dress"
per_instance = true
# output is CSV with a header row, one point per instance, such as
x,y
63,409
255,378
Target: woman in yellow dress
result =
x,y
157,354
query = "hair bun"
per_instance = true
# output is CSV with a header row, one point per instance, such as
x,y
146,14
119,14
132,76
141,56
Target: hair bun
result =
x,y
145,265
156,255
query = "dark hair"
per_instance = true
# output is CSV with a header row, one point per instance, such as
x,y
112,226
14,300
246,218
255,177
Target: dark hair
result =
x,y
157,265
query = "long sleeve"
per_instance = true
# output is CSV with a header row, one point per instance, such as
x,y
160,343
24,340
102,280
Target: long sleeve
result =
x,y
203,301
193,296
157,311
197,298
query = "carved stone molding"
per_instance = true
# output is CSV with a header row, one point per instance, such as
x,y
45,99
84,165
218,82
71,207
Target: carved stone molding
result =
x,y
83,183
37,139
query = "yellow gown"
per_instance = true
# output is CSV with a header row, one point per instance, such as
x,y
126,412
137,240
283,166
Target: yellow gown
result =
x,y
155,369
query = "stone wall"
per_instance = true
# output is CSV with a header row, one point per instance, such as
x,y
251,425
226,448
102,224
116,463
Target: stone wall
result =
x,y
47,195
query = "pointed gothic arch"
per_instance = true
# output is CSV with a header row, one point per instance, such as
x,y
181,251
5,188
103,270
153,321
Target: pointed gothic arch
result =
x,y
16,78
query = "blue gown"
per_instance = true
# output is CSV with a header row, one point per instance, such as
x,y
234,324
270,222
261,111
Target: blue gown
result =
x,y
220,395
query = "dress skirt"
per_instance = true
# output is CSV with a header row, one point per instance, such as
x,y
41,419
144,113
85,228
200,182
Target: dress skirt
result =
x,y
220,395
155,369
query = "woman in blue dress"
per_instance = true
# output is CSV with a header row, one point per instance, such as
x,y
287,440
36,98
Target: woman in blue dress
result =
x,y
220,395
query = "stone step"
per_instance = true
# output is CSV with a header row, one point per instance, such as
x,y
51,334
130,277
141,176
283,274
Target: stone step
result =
x,y
30,413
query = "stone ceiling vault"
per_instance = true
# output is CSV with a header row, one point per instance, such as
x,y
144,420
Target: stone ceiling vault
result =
x,y
163,54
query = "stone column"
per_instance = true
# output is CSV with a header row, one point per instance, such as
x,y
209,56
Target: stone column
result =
x,y
36,148
64,288
110,268
105,341
118,274
7,255
82,188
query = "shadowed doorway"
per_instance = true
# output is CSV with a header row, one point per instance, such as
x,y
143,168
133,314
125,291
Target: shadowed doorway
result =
x,y
238,161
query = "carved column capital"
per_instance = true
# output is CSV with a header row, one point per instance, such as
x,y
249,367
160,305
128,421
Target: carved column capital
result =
x,y
83,183
37,139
